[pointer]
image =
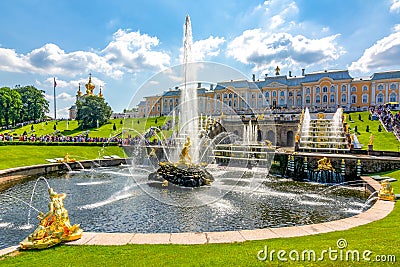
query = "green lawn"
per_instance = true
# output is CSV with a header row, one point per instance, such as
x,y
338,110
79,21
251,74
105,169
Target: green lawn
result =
x,y
137,125
382,140
16,156
381,238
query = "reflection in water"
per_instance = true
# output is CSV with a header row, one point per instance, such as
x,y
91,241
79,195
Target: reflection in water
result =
x,y
112,200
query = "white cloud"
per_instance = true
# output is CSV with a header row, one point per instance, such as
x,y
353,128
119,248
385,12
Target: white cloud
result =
x,y
133,51
264,50
205,48
65,97
128,51
395,7
383,54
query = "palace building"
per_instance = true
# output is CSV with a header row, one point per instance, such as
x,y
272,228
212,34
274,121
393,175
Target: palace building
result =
x,y
323,90
79,96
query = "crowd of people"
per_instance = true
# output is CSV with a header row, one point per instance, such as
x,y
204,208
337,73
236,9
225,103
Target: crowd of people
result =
x,y
389,120
56,138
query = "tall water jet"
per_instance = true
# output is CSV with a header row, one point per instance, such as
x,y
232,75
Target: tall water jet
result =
x,y
306,123
188,119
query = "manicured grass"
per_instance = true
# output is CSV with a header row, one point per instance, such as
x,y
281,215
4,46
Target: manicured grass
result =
x,y
383,140
16,156
381,238
139,125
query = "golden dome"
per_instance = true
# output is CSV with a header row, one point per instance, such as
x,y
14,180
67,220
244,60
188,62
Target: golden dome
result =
x,y
90,86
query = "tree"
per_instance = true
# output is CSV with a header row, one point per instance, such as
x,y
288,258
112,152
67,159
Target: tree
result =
x,y
367,129
92,110
32,127
10,105
380,128
359,117
369,117
349,117
356,129
35,105
114,127
54,127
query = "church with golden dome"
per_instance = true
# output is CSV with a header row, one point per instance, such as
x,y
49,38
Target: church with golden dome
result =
x,y
80,96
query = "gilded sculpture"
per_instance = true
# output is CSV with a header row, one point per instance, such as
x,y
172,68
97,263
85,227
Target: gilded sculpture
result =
x,y
386,191
54,226
184,156
324,164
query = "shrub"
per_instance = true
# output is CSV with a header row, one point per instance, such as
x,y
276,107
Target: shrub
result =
x,y
349,117
359,117
367,129
356,129
380,128
114,127
369,117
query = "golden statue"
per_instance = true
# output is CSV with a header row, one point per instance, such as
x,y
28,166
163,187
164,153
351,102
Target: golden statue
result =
x,y
371,140
297,137
277,70
54,226
152,153
321,115
324,164
260,117
66,159
386,191
184,157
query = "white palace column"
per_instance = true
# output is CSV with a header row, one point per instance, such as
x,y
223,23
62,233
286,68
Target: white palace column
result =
x,y
373,96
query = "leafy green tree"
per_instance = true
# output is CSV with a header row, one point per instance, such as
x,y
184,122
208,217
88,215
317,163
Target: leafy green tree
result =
x,y
114,127
367,129
379,128
35,105
10,105
92,110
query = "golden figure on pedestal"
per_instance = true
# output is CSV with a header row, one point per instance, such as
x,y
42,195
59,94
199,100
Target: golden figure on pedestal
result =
x,y
184,157
324,164
386,191
54,226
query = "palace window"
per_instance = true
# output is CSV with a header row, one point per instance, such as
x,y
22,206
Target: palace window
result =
x,y
354,89
308,90
230,103
281,102
260,96
325,98
225,95
365,88
290,93
344,88
365,98
353,99
308,99
325,89
317,90
344,99
393,86
253,96
234,103
332,99
274,93
392,97
218,96
267,94
380,87
282,93
298,93
235,95
290,102
333,89
379,98
317,99
230,95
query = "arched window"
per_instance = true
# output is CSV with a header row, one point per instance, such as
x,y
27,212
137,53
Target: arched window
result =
x,y
308,90
365,88
230,103
308,99
365,98
353,99
344,87
290,102
298,93
392,97
282,93
230,95
218,96
317,90
325,98
333,89
298,102
290,93
317,99
393,86
260,96
354,89
332,100
380,87
234,103
344,99
267,94
281,102
325,89
274,93
379,98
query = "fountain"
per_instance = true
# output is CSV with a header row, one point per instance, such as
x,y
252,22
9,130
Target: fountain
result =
x,y
187,171
322,134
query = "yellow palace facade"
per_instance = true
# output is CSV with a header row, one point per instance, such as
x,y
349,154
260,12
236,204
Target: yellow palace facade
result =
x,y
324,90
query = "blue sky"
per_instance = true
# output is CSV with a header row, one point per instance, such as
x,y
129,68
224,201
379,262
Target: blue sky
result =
x,y
124,43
